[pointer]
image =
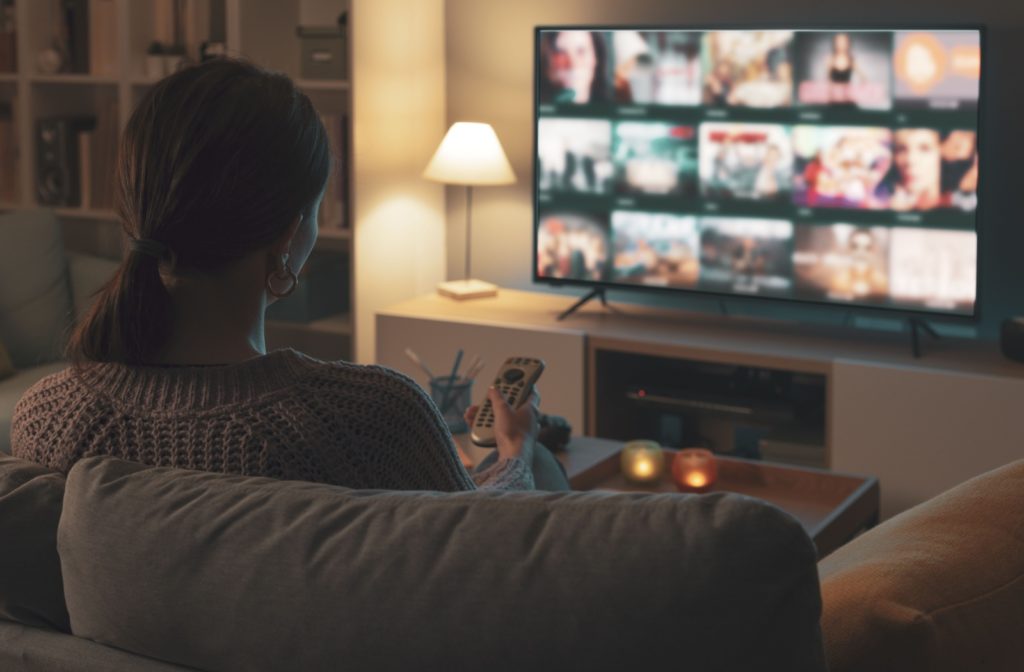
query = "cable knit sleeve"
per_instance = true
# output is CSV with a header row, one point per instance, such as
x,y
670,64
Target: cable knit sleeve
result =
x,y
510,474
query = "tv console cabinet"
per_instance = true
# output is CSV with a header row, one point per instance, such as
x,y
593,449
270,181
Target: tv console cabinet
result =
x,y
919,425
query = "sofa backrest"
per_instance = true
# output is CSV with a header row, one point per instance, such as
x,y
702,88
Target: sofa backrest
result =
x,y
237,573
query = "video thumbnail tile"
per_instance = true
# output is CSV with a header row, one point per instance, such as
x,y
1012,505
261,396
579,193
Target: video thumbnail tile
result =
x,y
841,166
654,157
747,256
574,67
844,69
575,155
655,249
842,262
748,68
745,161
933,268
573,246
937,70
657,67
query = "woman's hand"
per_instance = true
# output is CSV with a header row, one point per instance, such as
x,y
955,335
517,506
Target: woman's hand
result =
x,y
515,430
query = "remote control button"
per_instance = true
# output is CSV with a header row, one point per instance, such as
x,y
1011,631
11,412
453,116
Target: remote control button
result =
x,y
512,375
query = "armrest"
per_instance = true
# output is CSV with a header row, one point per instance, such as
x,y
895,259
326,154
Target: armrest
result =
x,y
939,587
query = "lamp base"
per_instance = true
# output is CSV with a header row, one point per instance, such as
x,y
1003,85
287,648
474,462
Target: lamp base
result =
x,y
467,289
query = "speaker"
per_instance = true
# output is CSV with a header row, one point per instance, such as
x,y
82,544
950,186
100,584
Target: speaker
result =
x,y
1012,338
57,179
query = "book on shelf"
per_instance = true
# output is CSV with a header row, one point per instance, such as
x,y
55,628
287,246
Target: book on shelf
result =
x,y
85,139
8,37
187,24
333,208
75,14
8,156
103,37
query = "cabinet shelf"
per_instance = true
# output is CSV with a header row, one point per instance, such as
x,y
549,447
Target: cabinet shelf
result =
x,y
9,76
87,213
322,84
103,80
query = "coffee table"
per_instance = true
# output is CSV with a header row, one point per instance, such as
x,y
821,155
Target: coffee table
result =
x,y
833,508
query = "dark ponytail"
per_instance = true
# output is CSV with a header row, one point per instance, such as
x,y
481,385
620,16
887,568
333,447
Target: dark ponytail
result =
x,y
215,162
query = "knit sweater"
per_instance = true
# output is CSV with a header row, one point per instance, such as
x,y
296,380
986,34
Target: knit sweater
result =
x,y
282,415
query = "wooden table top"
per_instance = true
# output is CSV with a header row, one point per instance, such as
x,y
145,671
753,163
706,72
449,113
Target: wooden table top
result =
x,y
832,507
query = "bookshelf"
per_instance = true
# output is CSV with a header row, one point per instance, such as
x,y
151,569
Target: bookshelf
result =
x,y
120,32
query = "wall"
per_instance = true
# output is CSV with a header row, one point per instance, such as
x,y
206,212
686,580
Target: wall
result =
x,y
398,84
490,78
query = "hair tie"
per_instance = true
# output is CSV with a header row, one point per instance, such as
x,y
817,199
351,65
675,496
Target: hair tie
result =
x,y
152,248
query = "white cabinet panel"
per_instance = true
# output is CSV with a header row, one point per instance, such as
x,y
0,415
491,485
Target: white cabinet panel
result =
x,y
922,432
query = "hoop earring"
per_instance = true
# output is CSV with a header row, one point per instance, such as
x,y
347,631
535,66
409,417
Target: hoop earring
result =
x,y
285,273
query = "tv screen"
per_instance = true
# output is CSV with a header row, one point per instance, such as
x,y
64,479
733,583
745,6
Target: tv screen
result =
x,y
836,166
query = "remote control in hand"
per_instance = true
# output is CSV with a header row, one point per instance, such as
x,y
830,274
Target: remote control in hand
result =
x,y
515,381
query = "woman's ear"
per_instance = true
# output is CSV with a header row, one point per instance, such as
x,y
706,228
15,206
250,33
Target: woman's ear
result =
x,y
284,243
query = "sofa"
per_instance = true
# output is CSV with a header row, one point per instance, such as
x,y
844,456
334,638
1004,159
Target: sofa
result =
x,y
120,566
41,288
127,567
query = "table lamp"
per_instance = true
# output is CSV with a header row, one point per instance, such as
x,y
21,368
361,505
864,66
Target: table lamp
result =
x,y
471,155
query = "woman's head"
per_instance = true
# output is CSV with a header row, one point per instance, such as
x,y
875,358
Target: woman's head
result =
x,y
575,62
918,160
841,43
218,162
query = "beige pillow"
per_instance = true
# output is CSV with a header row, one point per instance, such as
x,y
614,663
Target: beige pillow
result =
x,y
939,587
6,366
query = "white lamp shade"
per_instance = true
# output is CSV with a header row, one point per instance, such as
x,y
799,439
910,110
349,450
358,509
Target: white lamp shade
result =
x,y
470,154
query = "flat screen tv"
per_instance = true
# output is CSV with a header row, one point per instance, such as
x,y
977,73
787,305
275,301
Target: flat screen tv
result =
x,y
834,166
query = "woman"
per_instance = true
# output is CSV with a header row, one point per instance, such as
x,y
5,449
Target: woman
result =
x,y
221,170
841,69
574,63
917,169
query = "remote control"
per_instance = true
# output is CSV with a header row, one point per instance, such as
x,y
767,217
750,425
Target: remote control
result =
x,y
515,381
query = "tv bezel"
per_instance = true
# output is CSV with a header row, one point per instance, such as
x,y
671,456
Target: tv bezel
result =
x,y
860,308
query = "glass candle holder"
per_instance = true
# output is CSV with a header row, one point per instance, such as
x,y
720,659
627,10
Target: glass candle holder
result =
x,y
642,461
694,470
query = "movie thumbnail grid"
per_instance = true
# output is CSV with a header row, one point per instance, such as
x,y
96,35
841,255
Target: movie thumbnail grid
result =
x,y
868,70
869,265
847,167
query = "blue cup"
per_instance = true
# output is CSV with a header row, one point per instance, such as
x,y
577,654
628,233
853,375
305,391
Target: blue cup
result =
x,y
452,399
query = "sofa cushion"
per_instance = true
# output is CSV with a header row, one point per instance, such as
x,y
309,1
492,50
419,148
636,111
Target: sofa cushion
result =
x,y
11,391
238,573
35,297
25,649
31,591
939,587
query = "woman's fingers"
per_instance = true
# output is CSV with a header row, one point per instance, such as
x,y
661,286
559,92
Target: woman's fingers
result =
x,y
470,414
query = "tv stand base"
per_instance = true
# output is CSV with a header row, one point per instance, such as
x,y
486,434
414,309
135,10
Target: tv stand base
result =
x,y
597,292
915,339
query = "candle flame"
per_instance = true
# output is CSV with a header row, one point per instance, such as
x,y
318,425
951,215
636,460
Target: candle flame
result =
x,y
696,479
643,468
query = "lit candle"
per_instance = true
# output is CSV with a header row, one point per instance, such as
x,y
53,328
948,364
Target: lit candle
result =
x,y
694,470
642,461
